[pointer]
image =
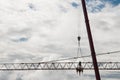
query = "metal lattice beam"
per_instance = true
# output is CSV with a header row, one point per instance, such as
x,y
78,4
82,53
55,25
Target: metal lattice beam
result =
x,y
58,66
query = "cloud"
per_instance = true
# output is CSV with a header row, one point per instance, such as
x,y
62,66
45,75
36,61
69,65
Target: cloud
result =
x,y
43,30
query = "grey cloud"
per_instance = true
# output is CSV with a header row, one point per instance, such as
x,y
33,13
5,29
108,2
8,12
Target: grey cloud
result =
x,y
32,6
107,75
63,9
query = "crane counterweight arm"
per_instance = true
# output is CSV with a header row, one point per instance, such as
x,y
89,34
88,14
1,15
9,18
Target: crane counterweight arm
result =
x,y
58,66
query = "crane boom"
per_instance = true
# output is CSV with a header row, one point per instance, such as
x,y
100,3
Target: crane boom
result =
x,y
58,66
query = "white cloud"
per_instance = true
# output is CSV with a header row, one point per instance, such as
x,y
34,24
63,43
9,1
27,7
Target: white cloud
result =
x,y
51,28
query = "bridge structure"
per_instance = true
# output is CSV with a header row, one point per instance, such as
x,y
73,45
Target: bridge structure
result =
x,y
58,66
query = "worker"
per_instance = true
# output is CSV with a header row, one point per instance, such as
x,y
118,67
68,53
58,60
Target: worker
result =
x,y
79,69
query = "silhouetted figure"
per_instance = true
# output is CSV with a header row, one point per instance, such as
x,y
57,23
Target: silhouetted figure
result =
x,y
79,69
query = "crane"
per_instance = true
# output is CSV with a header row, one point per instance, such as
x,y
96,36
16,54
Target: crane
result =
x,y
91,44
58,66
62,64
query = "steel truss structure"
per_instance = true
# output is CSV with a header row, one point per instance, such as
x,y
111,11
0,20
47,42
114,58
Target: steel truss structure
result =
x,y
58,66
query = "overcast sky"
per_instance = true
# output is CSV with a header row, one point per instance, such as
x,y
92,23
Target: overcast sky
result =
x,y
43,30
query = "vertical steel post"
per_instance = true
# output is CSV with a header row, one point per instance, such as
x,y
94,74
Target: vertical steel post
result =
x,y
90,41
